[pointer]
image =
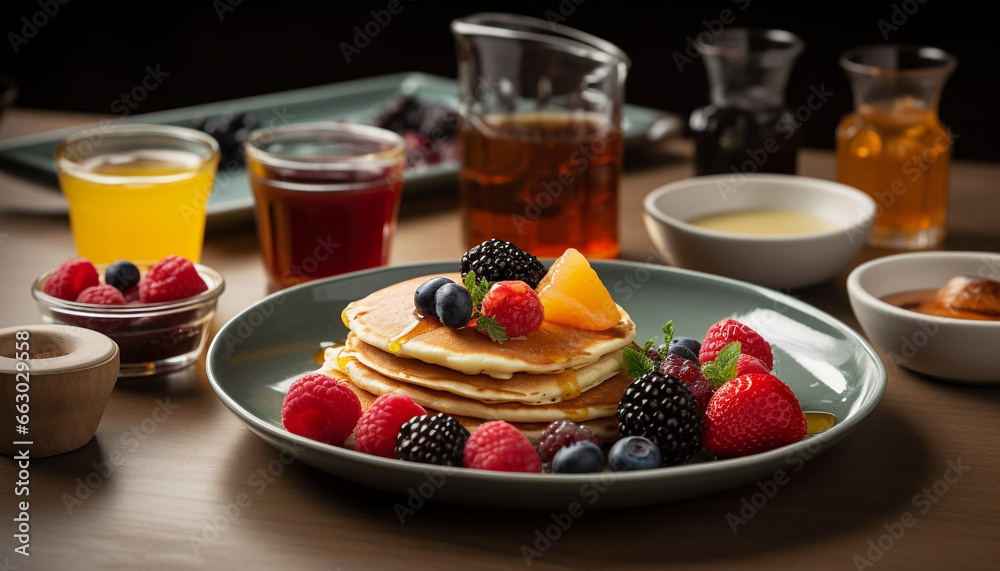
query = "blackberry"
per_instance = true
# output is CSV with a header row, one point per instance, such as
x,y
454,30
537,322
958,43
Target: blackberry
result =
x,y
229,130
662,409
438,439
498,261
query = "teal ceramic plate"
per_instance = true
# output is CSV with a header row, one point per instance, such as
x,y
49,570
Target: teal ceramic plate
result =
x,y
830,367
356,100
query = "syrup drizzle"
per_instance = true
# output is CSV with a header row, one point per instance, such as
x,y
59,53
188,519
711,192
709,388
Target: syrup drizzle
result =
x,y
344,360
319,357
418,327
569,384
817,422
576,414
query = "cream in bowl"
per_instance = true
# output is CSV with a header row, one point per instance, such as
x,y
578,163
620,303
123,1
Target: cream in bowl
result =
x,y
779,231
934,313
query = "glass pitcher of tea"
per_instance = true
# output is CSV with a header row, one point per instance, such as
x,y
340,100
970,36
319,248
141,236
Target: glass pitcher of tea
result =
x,y
541,134
893,145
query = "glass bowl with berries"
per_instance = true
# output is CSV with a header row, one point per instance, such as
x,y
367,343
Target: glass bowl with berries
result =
x,y
158,312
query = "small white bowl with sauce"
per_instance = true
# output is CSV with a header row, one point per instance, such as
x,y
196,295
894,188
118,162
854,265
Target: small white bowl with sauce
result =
x,y
780,231
890,295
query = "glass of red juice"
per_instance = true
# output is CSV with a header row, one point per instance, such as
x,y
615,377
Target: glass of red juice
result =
x,y
326,198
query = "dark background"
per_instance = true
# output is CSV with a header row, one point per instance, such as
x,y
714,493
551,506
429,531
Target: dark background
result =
x,y
85,56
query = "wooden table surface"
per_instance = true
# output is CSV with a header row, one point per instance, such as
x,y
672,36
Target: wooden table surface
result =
x,y
158,486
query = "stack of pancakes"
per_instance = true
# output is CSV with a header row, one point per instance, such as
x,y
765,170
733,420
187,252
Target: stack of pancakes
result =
x,y
554,373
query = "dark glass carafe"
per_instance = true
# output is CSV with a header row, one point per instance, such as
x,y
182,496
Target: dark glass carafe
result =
x,y
746,128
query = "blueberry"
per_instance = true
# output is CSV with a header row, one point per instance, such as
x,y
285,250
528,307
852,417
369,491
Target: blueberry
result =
x,y
453,305
634,453
122,275
578,457
686,347
682,351
424,296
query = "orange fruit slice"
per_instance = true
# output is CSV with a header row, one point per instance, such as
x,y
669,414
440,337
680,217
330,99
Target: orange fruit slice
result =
x,y
573,294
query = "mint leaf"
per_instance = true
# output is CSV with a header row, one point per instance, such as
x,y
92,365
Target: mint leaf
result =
x,y
723,368
668,333
492,328
635,362
477,289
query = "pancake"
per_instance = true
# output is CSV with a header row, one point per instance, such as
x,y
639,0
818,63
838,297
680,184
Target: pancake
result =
x,y
600,401
605,428
525,388
387,320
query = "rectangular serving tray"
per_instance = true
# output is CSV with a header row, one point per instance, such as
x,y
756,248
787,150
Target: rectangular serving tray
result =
x,y
355,101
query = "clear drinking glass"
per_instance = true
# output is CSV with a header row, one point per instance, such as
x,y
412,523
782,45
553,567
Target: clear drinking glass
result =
x,y
326,198
893,145
541,134
137,192
746,127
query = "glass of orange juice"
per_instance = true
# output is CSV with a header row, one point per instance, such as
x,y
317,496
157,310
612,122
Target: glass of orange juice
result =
x,y
893,145
137,192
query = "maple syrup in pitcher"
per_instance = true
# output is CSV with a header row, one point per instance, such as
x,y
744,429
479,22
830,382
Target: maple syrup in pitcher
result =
x,y
542,107
545,181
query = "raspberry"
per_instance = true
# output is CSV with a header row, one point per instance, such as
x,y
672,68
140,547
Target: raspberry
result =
x,y
728,330
321,408
171,278
438,439
515,306
687,372
498,261
131,294
662,409
376,431
102,294
559,434
70,279
497,445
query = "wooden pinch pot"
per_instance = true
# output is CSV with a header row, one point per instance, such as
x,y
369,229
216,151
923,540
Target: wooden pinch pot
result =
x,y
55,382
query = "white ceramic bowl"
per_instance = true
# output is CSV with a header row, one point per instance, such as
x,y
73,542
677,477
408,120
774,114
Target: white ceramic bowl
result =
x,y
776,261
943,347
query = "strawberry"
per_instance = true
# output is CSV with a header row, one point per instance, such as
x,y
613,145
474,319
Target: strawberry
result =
x,y
729,330
750,414
747,364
